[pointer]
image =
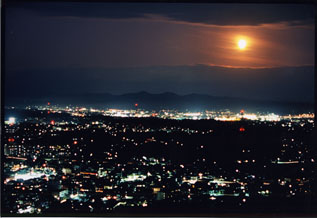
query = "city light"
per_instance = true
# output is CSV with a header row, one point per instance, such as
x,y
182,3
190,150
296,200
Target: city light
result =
x,y
87,166
11,121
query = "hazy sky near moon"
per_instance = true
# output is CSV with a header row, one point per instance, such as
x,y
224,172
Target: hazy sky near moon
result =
x,y
44,38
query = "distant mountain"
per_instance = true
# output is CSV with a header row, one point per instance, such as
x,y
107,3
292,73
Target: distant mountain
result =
x,y
168,100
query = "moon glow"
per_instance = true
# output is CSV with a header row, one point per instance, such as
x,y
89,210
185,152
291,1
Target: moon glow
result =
x,y
242,44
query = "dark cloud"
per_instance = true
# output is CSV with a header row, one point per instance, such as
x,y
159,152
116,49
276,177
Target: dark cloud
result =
x,y
218,14
284,83
34,41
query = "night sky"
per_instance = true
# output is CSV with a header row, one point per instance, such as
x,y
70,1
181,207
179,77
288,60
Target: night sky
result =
x,y
56,48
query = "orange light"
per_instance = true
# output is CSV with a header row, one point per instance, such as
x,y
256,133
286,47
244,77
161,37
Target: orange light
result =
x,y
52,122
136,104
75,142
88,173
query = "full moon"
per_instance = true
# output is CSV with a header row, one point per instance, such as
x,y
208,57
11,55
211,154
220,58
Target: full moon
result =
x,y
242,44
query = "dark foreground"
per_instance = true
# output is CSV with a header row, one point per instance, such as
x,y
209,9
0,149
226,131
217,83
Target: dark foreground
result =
x,y
97,165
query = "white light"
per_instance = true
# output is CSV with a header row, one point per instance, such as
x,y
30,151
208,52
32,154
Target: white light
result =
x,y
250,116
11,120
242,43
27,176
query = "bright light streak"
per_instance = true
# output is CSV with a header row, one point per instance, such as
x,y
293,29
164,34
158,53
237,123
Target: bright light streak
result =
x,y
27,176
